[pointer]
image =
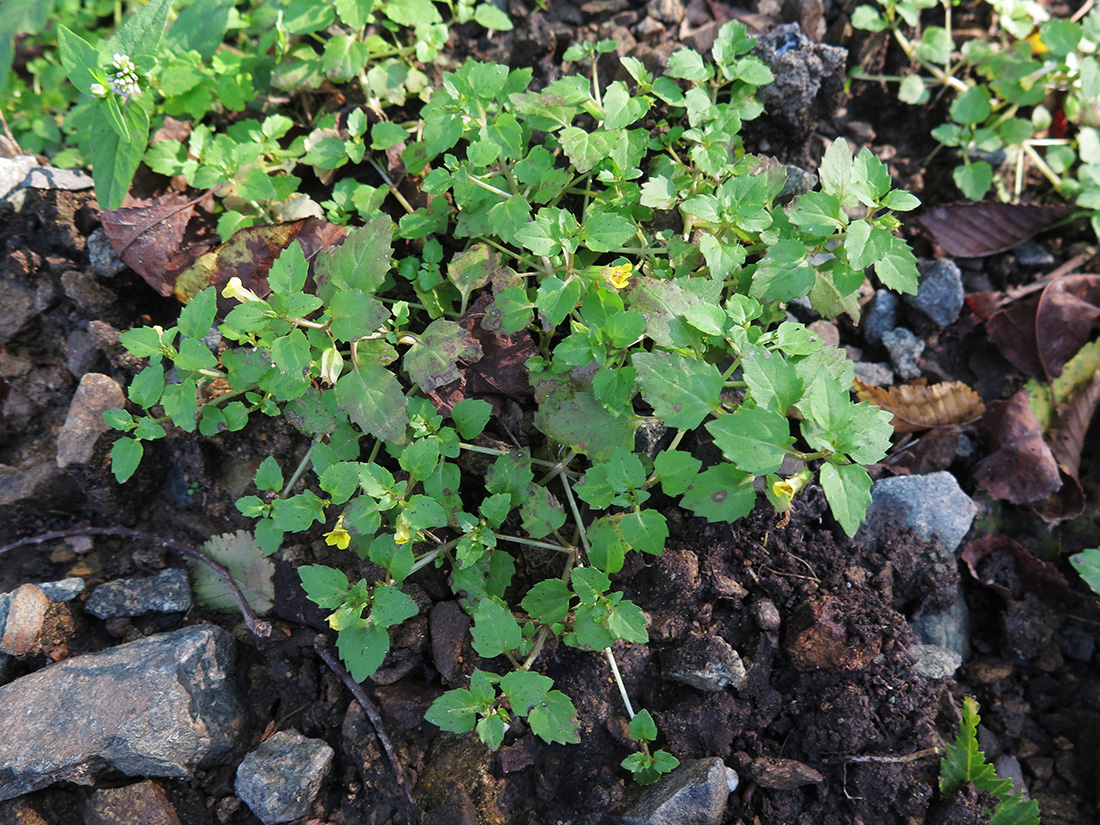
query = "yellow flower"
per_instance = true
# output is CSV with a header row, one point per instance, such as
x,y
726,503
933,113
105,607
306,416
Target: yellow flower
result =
x,y
619,276
236,289
338,536
783,489
401,533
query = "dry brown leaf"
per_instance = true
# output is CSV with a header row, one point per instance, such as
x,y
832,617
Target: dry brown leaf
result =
x,y
1071,422
918,408
974,230
148,236
1022,469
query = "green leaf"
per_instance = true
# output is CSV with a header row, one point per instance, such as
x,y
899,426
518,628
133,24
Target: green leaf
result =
x,y
848,490
754,439
605,231
456,711
784,273
78,56
555,720
835,171
964,762
665,304
642,727
423,513
511,473
585,149
912,89
557,298
495,629
198,316
492,18
470,416
972,106
645,531
548,601
361,262
363,648
589,584
193,355
288,272
125,458
141,32
355,314
541,513
432,360
676,470
682,391
325,586
269,476
114,160
200,27
373,399
147,386
298,513
1087,565
686,64
627,622
721,493
897,268
771,378
606,550
525,690
389,606
491,729
579,421
973,179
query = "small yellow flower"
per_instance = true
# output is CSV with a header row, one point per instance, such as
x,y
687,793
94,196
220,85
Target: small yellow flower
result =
x,y
338,536
338,620
783,489
619,276
236,289
401,533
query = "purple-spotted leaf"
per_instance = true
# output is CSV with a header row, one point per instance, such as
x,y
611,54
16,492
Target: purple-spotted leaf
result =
x,y
433,360
578,420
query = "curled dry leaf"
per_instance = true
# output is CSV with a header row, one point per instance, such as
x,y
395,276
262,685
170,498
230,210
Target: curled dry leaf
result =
x,y
918,408
1070,423
974,230
249,254
1022,469
1068,312
1003,565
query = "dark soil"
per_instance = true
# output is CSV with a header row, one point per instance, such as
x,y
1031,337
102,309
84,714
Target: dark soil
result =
x,y
819,621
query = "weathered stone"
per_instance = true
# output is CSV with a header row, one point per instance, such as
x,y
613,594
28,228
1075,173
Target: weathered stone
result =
x,y
13,171
16,309
708,664
280,779
47,177
84,424
940,294
696,793
143,803
161,706
935,662
102,256
818,637
166,592
905,350
26,616
933,506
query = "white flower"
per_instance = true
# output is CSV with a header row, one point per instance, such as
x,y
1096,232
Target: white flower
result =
x,y
97,90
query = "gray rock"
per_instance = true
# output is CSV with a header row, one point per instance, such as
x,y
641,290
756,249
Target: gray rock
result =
x,y
102,256
280,779
696,793
161,706
933,506
1008,767
87,293
64,590
13,171
940,293
809,79
166,592
873,373
84,425
1030,253
881,316
905,350
782,774
144,802
708,664
47,177
935,662
948,629
1077,643
17,306
799,181
82,353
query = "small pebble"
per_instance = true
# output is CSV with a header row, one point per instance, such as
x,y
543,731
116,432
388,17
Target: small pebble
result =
x,y
905,350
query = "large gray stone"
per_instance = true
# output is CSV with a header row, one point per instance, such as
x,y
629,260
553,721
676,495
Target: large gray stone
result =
x,y
280,779
84,425
167,592
933,506
940,294
13,171
160,706
696,793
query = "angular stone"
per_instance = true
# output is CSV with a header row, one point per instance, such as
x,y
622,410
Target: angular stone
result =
x,y
696,793
161,706
143,802
935,662
280,779
13,171
708,664
47,177
26,616
166,592
933,506
940,294
84,424
782,774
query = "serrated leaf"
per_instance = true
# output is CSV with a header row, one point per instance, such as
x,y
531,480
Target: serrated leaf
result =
x,y
541,513
525,690
848,490
754,439
470,416
325,586
642,727
676,470
771,378
389,606
645,531
511,473
548,601
456,711
242,557
578,420
360,262
374,400
682,391
555,720
363,649
721,493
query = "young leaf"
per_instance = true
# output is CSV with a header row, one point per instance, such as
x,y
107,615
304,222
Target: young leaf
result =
x,y
390,606
363,648
722,493
754,439
495,629
325,586
125,458
525,690
1087,565
555,720
548,601
456,711
374,400
642,726
470,416
676,470
848,490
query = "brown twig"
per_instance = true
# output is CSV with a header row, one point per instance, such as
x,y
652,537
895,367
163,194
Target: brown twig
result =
x,y
320,644
258,626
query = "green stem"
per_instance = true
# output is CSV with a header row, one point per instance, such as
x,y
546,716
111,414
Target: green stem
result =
x,y
301,468
532,543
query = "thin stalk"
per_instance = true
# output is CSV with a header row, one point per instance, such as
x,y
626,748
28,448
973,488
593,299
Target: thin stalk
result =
x,y
619,681
301,468
533,543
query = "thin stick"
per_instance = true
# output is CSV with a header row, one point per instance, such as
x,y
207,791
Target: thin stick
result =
x,y
320,644
258,626
619,681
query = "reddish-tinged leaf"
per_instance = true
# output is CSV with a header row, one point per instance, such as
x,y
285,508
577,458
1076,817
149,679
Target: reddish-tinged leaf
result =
x,y
1022,469
149,235
974,230
1001,564
1012,330
985,304
918,408
1069,310
249,254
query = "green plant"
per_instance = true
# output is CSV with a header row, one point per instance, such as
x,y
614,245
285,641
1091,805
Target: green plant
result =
x,y
963,762
1043,76
1087,565
626,238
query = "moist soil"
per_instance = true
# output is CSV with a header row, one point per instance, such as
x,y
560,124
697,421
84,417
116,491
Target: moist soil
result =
x,y
831,724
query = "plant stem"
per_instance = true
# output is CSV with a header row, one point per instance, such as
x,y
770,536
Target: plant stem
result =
x,y
619,681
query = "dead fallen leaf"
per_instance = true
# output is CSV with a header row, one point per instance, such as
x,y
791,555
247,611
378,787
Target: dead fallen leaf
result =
x,y
249,254
1068,312
1022,468
1005,566
974,230
1071,422
1012,331
918,408
148,236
